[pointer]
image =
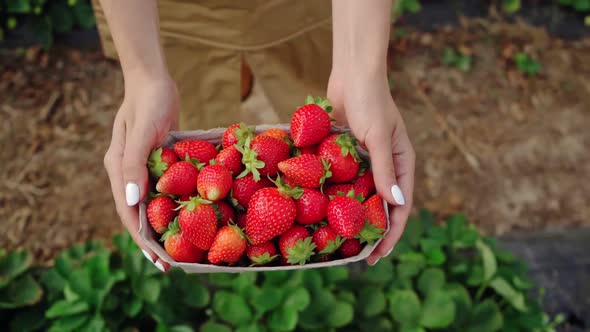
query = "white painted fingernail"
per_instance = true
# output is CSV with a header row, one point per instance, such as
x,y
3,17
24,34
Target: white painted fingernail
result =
x,y
149,258
131,193
159,265
397,194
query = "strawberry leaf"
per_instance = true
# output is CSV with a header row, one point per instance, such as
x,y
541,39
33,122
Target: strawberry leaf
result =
x,y
333,245
301,252
370,233
155,163
347,145
173,228
262,259
327,172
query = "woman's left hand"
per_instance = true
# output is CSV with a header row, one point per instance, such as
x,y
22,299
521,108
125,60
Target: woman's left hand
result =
x,y
364,103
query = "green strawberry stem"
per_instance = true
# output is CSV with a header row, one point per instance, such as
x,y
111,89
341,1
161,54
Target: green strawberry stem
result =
x,y
263,259
192,203
173,228
350,193
244,133
347,145
155,163
293,192
333,245
370,233
199,165
327,172
250,161
301,252
321,102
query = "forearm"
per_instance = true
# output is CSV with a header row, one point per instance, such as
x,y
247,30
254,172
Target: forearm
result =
x,y
134,26
361,35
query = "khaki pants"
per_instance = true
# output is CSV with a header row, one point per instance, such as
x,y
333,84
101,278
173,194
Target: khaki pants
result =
x,y
286,43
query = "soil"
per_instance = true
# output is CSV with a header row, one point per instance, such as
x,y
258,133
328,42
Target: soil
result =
x,y
509,151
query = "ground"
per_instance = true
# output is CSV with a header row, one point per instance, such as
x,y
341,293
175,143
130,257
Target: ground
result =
x,y
505,149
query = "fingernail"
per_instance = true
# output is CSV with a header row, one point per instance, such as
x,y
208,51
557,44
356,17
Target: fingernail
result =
x,y
149,258
397,194
159,265
131,193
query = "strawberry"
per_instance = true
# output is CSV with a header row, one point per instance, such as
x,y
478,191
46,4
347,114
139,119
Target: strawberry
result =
x,y
310,123
244,188
376,220
198,222
364,183
296,245
262,155
306,150
340,151
236,134
214,182
276,133
231,158
312,207
179,179
160,212
159,161
349,248
271,212
242,220
179,248
229,245
307,171
225,213
346,215
201,150
326,240
343,189
262,254
289,182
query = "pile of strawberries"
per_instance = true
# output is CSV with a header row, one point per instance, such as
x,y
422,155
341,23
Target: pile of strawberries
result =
x,y
266,199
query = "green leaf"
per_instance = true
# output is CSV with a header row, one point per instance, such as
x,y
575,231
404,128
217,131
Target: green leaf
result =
x,y
283,319
250,328
18,6
435,257
231,308
132,306
13,265
61,16
149,289
405,307
438,310
84,15
371,302
21,292
196,296
522,283
181,328
347,296
381,272
511,6
212,326
476,276
69,323
485,317
96,324
455,226
430,280
29,320
227,279
489,260
243,281
449,56
515,298
43,28
582,5
297,299
411,264
65,308
413,232
267,299
379,324
340,314
335,274
462,300
410,328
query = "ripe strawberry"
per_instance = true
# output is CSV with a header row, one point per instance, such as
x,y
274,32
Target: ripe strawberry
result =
x,y
201,150
340,151
160,212
349,248
310,124
346,215
296,245
214,182
306,150
198,222
159,161
231,158
276,133
225,213
179,179
326,240
376,220
236,134
364,183
271,212
262,254
229,245
312,207
262,155
179,248
244,188
343,189
307,171
242,220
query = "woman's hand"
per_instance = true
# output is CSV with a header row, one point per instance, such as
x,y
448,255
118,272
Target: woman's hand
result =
x,y
148,112
363,102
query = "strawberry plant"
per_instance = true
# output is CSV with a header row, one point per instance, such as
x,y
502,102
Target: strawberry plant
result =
x,y
526,64
454,58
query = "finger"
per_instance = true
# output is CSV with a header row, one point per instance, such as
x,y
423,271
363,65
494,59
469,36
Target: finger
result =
x,y
135,173
379,146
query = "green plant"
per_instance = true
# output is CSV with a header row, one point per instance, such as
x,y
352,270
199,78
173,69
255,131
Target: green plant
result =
x,y
400,7
511,6
454,58
526,64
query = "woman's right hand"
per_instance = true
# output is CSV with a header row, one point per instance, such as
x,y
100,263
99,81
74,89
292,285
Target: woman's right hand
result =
x,y
148,112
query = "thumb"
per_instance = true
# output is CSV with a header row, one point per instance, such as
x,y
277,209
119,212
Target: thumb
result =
x,y
380,152
135,173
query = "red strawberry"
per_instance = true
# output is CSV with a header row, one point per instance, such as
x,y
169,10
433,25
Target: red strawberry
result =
x,y
214,182
364,183
307,171
185,198
346,215
231,158
244,188
307,150
229,245
201,150
312,207
326,240
236,134
376,219
225,213
271,212
159,161
262,156
198,221
310,124
160,212
262,254
342,189
242,220
296,245
179,248
349,248
289,182
276,133
179,179
340,151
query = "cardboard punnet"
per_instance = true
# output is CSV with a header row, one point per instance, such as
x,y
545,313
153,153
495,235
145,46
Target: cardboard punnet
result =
x,y
214,136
